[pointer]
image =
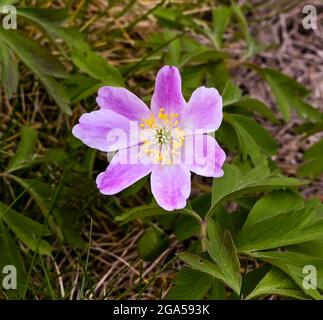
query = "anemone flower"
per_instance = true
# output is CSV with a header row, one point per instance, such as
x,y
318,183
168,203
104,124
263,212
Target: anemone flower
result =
x,y
169,140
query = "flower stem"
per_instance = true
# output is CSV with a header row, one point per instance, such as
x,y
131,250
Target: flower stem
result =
x,y
203,234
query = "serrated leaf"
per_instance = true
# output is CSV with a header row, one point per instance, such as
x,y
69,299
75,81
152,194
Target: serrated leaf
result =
x,y
32,54
276,231
203,265
273,204
289,94
199,264
279,283
247,143
190,285
234,184
261,136
292,264
231,93
222,250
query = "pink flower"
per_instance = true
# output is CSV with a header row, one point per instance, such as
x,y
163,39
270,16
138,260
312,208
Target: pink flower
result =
x,y
169,139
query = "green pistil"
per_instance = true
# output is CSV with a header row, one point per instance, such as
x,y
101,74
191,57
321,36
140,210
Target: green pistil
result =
x,y
163,135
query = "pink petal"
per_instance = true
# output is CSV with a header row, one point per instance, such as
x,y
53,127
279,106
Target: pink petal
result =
x,y
122,101
203,155
203,111
122,172
168,93
171,186
104,130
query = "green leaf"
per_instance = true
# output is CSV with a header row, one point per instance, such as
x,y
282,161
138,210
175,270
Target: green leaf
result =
x,y
199,264
220,19
285,82
234,184
174,48
311,168
257,106
222,250
260,135
32,54
10,255
81,87
186,227
9,70
292,264
25,151
313,165
203,265
69,222
252,46
276,231
279,283
289,94
231,93
57,156
57,92
190,285
312,248
135,188
306,110
153,242
252,278
39,191
248,145
150,211
50,20
97,67
26,229
44,65
4,3
273,204
217,291
174,18
315,151
201,204
44,16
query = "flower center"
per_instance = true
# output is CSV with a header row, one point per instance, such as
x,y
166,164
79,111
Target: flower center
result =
x,y
162,138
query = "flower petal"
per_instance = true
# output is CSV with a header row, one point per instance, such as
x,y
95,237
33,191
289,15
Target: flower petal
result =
x,y
121,173
104,130
171,186
203,111
203,155
122,101
168,93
